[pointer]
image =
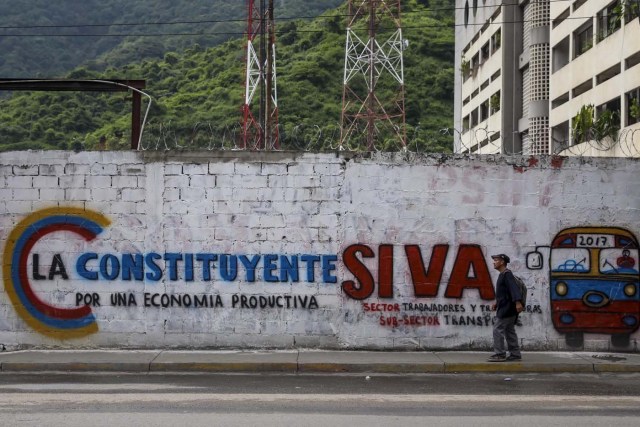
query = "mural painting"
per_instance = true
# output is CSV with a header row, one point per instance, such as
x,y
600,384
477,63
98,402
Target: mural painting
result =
x,y
430,302
425,303
91,267
593,283
40,315
593,280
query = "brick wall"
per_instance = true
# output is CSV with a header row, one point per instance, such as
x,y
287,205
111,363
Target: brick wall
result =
x,y
283,250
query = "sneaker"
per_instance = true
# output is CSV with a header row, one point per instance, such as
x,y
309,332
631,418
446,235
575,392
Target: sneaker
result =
x,y
514,358
497,358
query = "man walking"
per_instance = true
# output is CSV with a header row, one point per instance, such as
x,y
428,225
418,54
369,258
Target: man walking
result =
x,y
507,306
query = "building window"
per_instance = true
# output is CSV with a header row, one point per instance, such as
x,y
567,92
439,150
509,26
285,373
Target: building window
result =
x,y
631,10
632,61
582,88
486,52
466,13
577,4
560,137
475,7
633,106
484,111
608,74
496,41
473,118
613,106
583,39
562,99
607,123
494,102
495,136
465,124
561,18
475,64
561,54
609,20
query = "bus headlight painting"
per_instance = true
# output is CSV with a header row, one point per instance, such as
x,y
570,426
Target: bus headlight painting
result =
x,y
630,320
630,290
562,289
567,319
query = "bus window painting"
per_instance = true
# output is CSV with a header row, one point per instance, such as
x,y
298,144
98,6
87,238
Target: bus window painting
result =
x,y
594,283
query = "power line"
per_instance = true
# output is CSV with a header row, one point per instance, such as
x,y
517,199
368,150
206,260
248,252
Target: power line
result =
x,y
238,33
218,21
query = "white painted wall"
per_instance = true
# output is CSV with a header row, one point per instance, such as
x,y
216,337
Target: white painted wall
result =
x,y
296,204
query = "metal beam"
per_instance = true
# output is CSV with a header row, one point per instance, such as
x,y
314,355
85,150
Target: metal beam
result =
x,y
74,85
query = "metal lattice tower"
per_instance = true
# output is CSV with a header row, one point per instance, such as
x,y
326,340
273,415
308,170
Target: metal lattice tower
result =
x,y
260,109
373,110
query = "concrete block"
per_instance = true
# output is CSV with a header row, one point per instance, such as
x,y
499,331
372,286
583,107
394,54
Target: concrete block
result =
x,y
77,194
251,169
105,194
51,170
178,181
220,168
124,181
195,169
202,181
173,169
72,181
18,207
104,169
77,169
26,194
133,195
25,170
98,181
19,182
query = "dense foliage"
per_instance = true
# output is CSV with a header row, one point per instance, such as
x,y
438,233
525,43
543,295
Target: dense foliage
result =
x,y
198,90
44,38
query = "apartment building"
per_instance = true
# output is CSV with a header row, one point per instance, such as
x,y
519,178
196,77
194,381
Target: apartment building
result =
x,y
595,65
526,69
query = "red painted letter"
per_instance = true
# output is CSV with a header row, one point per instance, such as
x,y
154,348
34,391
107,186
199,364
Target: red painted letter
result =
x,y
470,256
426,283
385,271
359,270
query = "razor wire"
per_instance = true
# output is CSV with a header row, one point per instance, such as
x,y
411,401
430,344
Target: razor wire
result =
x,y
165,136
210,136
626,143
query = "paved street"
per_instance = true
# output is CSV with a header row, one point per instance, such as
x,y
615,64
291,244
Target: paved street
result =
x,y
319,400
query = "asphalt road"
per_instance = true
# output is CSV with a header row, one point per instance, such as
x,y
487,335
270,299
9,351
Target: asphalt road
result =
x,y
319,400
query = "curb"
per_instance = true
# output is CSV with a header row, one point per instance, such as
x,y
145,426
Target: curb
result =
x,y
308,362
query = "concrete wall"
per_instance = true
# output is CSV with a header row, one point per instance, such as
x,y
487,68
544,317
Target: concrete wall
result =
x,y
282,250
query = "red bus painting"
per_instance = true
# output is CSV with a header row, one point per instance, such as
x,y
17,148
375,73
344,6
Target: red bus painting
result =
x,y
594,283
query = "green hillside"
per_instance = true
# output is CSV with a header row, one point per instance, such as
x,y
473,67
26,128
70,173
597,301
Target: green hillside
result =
x,y
44,38
198,92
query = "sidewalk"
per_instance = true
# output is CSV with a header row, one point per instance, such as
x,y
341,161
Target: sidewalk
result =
x,y
310,361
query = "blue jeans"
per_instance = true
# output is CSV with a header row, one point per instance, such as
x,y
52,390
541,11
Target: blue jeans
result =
x,y
505,329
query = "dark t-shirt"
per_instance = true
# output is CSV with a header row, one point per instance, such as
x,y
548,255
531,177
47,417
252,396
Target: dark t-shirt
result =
x,y
507,293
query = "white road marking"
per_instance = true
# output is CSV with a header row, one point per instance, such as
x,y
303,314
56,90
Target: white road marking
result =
x,y
12,399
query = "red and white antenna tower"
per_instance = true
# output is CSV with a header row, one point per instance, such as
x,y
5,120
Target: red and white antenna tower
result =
x,y
373,111
260,122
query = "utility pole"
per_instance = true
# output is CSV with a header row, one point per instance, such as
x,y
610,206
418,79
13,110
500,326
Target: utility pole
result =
x,y
260,129
373,110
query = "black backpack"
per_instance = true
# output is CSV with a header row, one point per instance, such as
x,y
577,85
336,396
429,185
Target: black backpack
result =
x,y
522,287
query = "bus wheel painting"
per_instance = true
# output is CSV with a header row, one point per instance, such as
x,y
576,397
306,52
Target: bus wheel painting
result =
x,y
594,283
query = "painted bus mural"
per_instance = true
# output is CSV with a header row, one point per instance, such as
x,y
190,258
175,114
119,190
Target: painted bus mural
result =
x,y
594,283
